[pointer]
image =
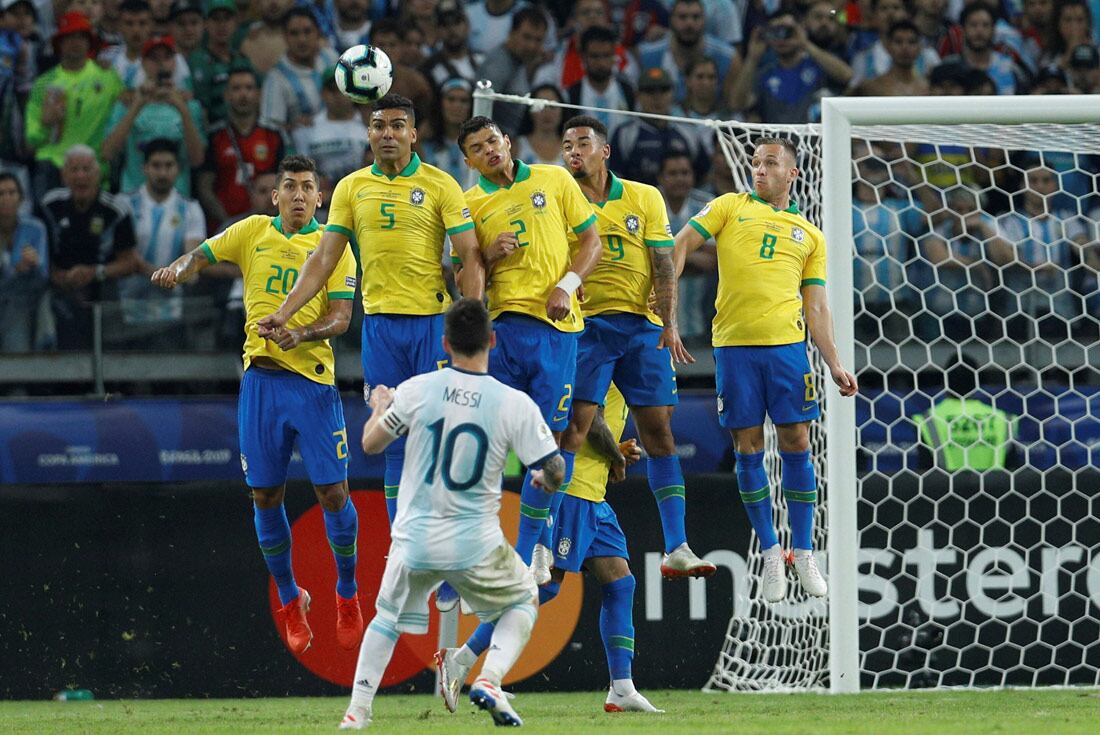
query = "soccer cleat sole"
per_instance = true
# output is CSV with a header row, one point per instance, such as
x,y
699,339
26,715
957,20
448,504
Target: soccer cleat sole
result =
x,y
452,706
608,707
703,570
486,701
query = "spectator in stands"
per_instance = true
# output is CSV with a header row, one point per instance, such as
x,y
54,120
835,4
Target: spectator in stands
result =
x,y
240,148
568,67
128,61
352,24
391,35
291,95
539,140
1036,26
601,86
783,86
977,20
337,139
69,104
493,21
825,29
91,242
513,67
157,109
720,181
1084,65
454,59
1051,80
699,279
166,225
937,31
264,42
456,104
213,60
640,20
187,25
875,61
702,102
686,40
948,80
903,44
421,18
1072,27
24,268
638,146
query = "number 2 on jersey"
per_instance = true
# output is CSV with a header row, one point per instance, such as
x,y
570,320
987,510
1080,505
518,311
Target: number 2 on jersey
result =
x,y
521,229
443,455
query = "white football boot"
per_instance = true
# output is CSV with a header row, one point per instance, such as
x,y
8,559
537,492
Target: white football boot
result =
x,y
774,583
451,676
489,697
633,702
683,562
808,573
541,561
356,718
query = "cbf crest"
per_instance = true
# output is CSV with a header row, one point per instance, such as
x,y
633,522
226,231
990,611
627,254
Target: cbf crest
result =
x,y
798,234
417,197
538,200
632,224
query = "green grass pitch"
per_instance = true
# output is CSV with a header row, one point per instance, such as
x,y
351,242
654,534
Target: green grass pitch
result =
x,y
1043,712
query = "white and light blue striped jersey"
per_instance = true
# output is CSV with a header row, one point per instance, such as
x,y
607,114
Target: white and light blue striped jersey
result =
x,y
1043,239
460,426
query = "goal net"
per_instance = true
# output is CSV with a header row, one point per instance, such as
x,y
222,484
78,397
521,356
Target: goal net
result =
x,y
959,513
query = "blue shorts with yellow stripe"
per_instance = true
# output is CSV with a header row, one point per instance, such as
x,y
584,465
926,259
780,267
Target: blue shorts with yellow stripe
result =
x,y
277,407
756,381
534,357
584,530
623,348
397,347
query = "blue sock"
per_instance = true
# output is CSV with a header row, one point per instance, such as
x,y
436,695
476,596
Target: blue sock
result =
x,y
546,538
800,492
666,482
756,494
534,509
395,458
273,533
617,626
341,528
481,638
548,592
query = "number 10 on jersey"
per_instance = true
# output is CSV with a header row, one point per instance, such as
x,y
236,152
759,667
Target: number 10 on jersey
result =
x,y
443,450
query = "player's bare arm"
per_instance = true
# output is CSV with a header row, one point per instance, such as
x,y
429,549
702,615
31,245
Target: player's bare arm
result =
x,y
332,324
588,255
819,320
550,477
315,273
603,441
664,288
181,270
375,437
688,240
470,277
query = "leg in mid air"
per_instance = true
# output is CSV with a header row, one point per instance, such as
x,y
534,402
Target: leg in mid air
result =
x,y
273,535
800,492
341,529
756,495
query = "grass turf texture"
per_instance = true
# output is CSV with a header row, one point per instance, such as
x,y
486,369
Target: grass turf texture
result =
x,y
1048,712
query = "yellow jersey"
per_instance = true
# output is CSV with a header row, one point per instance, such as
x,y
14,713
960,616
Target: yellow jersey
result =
x,y
590,469
630,222
398,225
541,206
765,257
270,262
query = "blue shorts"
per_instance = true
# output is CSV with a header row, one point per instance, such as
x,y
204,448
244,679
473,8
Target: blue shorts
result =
x,y
275,408
397,347
533,357
584,530
623,348
753,381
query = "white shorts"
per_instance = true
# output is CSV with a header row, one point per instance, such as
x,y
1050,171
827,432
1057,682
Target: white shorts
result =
x,y
499,581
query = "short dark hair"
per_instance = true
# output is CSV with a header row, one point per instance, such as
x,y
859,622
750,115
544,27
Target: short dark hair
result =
x,y
473,125
387,25
531,15
597,34
696,61
395,102
9,176
161,145
785,142
977,7
244,67
674,154
297,164
467,327
300,11
587,121
903,25
135,6
684,2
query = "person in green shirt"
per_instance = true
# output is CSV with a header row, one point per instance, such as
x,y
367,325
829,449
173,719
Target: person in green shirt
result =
x,y
215,58
69,104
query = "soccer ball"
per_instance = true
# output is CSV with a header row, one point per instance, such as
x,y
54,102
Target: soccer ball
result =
x,y
364,73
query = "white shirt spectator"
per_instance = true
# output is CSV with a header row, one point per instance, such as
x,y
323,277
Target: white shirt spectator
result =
x,y
291,91
132,73
336,145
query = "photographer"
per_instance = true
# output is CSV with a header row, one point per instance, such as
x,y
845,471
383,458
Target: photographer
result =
x,y
157,109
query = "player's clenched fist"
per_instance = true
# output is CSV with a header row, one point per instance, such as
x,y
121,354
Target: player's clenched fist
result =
x,y
558,305
503,246
164,277
381,396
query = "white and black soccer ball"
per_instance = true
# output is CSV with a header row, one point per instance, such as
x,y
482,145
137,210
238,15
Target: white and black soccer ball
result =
x,y
364,73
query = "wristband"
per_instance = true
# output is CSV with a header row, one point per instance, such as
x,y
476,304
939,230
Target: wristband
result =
x,y
570,282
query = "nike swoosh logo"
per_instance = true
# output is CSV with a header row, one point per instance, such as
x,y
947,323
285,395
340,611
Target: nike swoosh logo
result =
x,y
260,250
563,417
807,408
744,219
483,219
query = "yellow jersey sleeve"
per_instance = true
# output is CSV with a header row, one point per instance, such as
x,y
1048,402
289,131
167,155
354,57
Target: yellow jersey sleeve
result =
x,y
712,218
813,273
456,215
227,245
658,231
340,216
578,210
341,284
590,470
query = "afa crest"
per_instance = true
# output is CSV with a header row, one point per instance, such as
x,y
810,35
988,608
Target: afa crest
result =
x,y
538,200
798,234
632,224
417,197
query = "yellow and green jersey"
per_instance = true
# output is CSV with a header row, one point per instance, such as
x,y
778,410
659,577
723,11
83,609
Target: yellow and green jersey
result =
x,y
590,470
270,262
90,95
398,224
765,257
541,206
630,222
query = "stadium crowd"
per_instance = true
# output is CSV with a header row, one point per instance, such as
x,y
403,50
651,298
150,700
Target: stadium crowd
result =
x,y
134,129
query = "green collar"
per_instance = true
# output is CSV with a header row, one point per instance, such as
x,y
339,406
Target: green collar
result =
x,y
311,226
614,192
523,172
414,164
792,209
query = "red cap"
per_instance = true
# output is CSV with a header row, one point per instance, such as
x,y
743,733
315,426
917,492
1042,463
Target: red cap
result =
x,y
73,22
155,42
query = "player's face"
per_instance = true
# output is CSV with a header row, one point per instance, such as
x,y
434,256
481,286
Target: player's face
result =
x,y
391,135
489,151
297,198
772,170
584,152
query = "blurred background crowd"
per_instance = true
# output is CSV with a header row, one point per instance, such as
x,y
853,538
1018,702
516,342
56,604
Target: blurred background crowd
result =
x,y
133,129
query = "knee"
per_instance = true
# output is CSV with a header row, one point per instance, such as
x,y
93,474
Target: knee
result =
x,y
332,497
657,440
267,498
795,444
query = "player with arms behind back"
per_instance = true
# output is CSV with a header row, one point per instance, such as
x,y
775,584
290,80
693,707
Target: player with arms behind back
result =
x,y
771,271
460,424
397,212
288,390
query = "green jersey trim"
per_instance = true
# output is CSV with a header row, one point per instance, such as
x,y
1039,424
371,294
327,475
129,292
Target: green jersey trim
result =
x,y
700,229
311,226
792,208
813,281
337,295
585,225
410,169
340,229
523,172
660,243
210,257
460,228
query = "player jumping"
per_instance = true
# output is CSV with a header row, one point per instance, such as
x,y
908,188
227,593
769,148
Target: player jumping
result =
x,y
288,390
460,424
771,271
